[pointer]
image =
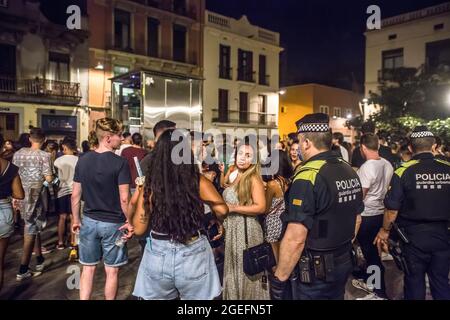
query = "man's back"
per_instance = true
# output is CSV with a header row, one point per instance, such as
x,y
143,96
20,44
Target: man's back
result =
x,y
100,175
375,175
33,165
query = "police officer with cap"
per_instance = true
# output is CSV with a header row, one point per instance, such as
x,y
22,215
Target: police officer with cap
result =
x,y
323,204
418,201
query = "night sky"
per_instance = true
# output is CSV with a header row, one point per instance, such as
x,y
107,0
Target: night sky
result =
x,y
323,39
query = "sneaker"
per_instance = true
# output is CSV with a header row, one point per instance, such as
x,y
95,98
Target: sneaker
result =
x,y
386,257
60,246
44,250
40,267
27,275
362,285
371,296
73,255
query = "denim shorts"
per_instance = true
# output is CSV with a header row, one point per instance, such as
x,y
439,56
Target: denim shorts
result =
x,y
6,219
170,269
97,241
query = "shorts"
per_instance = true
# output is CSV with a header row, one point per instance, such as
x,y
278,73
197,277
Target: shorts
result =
x,y
169,270
98,241
6,219
64,205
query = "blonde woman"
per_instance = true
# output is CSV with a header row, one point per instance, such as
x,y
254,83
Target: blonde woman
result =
x,y
245,199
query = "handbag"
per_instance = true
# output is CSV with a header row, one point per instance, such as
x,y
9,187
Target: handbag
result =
x,y
259,258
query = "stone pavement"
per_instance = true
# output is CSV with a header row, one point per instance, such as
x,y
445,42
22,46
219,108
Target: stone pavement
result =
x,y
53,283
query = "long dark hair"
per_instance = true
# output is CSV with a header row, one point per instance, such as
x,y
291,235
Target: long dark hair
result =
x,y
175,208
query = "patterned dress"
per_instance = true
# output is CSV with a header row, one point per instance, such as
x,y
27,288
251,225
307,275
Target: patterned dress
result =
x,y
238,285
273,224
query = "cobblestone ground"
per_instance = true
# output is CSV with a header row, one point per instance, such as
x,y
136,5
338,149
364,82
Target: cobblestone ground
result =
x,y
53,283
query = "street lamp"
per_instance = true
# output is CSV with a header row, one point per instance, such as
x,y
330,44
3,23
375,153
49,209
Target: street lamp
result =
x,y
349,116
99,66
282,91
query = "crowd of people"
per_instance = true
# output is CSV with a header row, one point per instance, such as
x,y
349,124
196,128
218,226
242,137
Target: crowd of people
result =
x,y
195,220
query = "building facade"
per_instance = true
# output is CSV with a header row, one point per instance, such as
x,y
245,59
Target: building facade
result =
x,y
43,73
300,100
411,40
146,61
241,71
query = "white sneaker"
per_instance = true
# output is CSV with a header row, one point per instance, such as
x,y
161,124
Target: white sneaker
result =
x,y
371,296
27,275
362,285
39,267
386,257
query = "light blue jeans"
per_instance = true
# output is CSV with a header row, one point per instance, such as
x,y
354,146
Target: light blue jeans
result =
x,y
6,219
170,269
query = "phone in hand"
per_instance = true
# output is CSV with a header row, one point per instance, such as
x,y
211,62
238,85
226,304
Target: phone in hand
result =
x,y
213,231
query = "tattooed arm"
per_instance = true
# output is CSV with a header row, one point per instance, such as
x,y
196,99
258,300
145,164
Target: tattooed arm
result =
x,y
139,217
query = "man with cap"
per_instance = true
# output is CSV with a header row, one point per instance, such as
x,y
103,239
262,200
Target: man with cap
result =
x,y
323,204
418,201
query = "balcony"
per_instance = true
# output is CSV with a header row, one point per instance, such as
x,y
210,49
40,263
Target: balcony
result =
x,y
396,75
225,73
244,117
264,80
246,75
40,90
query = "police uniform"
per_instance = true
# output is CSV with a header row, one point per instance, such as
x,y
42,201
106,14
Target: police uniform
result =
x,y
326,197
420,192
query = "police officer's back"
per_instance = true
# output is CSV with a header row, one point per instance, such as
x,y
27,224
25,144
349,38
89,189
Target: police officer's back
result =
x,y
419,202
323,203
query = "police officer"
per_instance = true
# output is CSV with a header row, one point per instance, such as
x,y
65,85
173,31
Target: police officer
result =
x,y
323,204
419,202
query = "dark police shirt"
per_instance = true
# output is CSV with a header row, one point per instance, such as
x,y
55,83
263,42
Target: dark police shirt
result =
x,y
419,190
305,199
100,175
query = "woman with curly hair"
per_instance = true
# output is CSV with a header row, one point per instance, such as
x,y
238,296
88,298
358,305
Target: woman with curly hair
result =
x,y
178,261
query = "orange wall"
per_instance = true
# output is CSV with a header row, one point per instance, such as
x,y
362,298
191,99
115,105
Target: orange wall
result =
x,y
297,102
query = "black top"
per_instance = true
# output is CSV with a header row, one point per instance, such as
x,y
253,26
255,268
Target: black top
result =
x,y
100,175
305,199
385,152
6,179
419,189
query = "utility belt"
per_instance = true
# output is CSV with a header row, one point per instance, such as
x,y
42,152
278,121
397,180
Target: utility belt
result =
x,y
168,237
320,265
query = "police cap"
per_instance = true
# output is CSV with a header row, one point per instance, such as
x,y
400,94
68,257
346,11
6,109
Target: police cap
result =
x,y
314,122
421,132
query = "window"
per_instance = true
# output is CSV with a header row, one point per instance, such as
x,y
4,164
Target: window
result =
x,y
243,107
337,112
8,61
10,122
223,105
179,43
179,6
152,37
118,70
324,109
393,59
439,26
122,29
438,55
224,62
58,68
348,113
392,36
263,78
245,65
262,109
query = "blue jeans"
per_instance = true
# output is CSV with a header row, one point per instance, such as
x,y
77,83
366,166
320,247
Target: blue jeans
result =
x,y
6,219
98,240
170,269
